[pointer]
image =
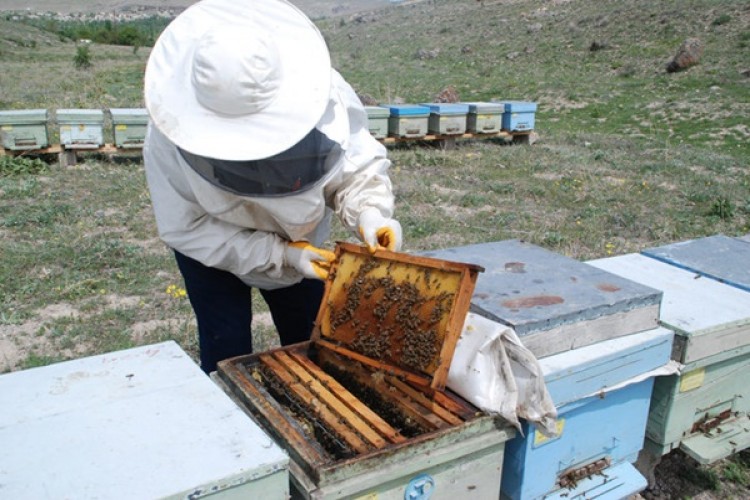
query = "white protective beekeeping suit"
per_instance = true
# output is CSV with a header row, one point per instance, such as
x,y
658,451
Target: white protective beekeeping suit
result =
x,y
245,235
234,88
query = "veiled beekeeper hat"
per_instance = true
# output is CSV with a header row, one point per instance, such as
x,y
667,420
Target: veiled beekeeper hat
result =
x,y
238,79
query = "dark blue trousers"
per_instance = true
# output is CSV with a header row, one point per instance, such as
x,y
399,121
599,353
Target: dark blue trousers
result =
x,y
223,309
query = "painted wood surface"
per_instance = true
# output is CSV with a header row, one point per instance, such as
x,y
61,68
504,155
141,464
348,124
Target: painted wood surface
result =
x,y
139,423
610,427
554,303
681,401
615,483
724,440
469,468
707,316
719,257
573,375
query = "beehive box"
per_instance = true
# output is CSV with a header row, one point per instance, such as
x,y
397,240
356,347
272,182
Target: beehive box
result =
x,y
139,423
519,116
554,303
447,119
24,129
705,409
129,126
484,117
81,128
377,120
718,257
601,430
362,408
407,120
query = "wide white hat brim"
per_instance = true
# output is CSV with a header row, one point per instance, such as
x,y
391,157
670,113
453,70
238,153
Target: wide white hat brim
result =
x,y
299,103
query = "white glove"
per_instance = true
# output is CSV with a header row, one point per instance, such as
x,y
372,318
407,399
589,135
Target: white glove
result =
x,y
379,232
310,261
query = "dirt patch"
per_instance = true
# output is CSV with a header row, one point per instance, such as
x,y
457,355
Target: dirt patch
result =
x,y
18,341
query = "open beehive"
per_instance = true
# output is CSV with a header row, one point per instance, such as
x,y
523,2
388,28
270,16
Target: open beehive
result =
x,y
369,388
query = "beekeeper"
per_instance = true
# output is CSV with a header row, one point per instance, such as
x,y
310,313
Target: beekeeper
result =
x,y
254,141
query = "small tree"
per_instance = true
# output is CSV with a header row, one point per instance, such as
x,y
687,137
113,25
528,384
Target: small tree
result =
x,y
82,59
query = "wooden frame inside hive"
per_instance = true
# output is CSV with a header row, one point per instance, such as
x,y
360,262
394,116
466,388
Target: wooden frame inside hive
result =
x,y
373,376
398,312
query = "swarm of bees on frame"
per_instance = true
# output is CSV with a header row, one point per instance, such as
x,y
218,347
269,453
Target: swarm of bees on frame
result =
x,y
393,320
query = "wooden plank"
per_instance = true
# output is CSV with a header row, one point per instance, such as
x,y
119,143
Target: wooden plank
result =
x,y
378,365
504,134
333,399
350,400
420,398
389,393
413,408
461,303
315,404
454,404
270,413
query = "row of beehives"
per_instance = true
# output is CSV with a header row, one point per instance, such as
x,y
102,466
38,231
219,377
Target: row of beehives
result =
x,y
419,120
641,353
26,129
23,130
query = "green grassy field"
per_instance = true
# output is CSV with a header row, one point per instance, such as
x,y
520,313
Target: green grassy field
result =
x,y
628,157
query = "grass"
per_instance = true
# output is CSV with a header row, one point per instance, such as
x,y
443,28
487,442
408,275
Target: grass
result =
x,y
628,157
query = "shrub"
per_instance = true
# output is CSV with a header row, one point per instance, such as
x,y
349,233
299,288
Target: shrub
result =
x,y
18,165
82,59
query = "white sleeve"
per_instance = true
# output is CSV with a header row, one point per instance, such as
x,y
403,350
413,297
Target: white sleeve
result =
x,y
364,181
256,257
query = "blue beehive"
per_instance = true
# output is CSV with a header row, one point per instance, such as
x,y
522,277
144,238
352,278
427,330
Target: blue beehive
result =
x,y
519,116
601,433
407,120
447,119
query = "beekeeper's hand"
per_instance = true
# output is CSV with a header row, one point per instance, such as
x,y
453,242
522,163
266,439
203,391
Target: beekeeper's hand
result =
x,y
310,261
379,232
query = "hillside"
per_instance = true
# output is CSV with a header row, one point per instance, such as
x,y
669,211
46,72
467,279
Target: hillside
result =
x,y
591,65
313,8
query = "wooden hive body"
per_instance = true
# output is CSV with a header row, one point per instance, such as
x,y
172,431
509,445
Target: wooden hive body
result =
x,y
704,409
358,397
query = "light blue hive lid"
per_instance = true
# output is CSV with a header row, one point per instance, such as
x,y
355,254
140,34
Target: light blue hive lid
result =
x,y
441,108
23,116
519,106
129,116
486,107
407,109
80,116
377,112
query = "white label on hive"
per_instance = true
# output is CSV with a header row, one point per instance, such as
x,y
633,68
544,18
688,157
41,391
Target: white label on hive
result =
x,y
369,496
540,439
7,127
692,380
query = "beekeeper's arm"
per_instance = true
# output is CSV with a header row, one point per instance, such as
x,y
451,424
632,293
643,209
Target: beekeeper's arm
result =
x,y
258,257
363,197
